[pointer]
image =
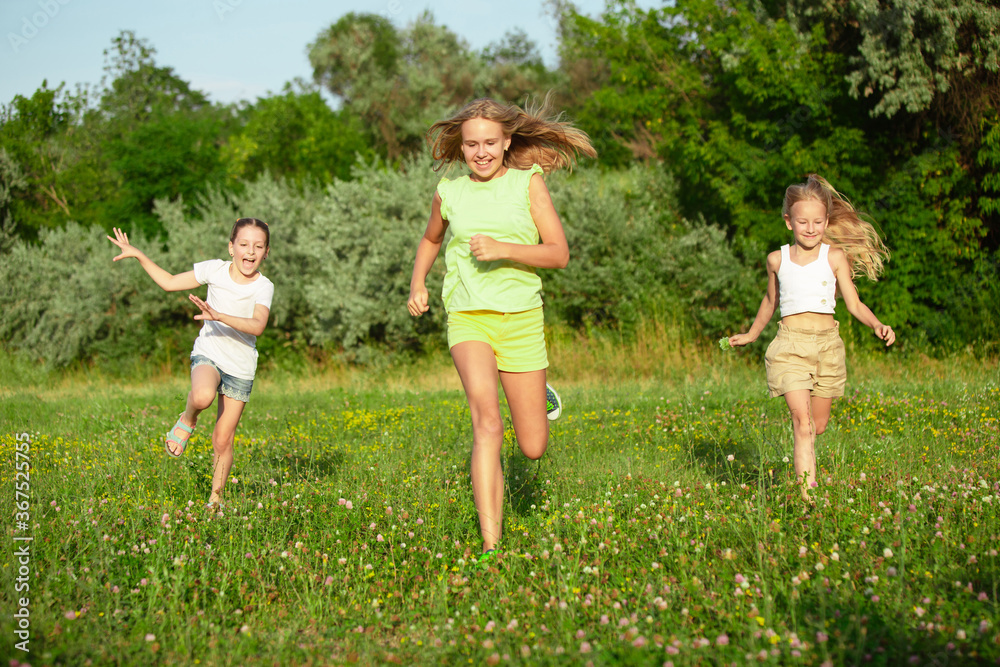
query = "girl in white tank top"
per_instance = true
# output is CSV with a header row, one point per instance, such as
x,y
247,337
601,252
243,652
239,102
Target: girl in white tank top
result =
x,y
805,362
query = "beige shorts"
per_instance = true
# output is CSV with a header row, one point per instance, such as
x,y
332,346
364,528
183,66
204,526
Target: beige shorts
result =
x,y
810,359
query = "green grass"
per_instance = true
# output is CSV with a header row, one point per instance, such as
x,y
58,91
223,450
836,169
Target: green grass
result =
x,y
660,526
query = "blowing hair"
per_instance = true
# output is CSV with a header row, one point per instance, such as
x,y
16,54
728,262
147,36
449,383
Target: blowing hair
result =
x,y
536,136
251,222
847,229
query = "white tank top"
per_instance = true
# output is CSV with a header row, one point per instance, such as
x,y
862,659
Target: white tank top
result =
x,y
806,289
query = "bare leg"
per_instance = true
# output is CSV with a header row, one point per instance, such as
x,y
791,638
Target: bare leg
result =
x,y
821,413
525,394
477,367
204,383
804,452
230,411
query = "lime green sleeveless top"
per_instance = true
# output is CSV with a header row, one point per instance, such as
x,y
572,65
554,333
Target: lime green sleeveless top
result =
x,y
501,209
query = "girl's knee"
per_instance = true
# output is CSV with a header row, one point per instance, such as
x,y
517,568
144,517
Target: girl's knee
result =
x,y
487,427
801,419
201,399
534,449
534,453
222,440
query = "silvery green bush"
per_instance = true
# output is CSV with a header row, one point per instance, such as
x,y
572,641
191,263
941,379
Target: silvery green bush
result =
x,y
341,259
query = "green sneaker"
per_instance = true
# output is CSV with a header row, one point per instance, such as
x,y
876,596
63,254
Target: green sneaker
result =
x,y
553,404
488,559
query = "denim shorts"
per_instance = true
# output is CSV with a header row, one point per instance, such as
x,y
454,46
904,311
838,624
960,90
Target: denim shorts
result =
x,y
235,388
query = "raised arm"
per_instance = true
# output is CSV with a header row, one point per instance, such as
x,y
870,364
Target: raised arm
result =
x,y
864,314
767,305
427,252
551,253
168,281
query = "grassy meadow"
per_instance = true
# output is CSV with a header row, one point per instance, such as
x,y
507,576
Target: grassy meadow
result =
x,y
659,528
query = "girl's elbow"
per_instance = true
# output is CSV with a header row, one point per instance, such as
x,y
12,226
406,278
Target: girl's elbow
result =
x,y
563,260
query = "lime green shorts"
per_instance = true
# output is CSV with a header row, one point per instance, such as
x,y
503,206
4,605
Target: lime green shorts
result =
x,y
517,339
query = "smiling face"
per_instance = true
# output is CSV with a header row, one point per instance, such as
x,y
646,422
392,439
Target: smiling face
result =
x,y
249,249
483,146
807,219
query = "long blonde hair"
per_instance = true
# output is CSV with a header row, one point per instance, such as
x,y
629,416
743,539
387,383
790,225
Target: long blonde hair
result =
x,y
847,229
535,136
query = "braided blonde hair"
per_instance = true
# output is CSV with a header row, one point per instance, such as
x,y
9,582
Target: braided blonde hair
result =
x,y
847,229
535,136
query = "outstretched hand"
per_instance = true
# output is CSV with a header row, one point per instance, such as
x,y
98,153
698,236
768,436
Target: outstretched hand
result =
x,y
207,312
127,249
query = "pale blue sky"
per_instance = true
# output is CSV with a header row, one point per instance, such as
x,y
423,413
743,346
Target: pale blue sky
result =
x,y
229,49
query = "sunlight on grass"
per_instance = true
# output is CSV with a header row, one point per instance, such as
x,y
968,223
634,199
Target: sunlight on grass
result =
x,y
660,527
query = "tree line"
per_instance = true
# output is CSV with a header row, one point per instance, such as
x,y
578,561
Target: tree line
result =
x,y
895,103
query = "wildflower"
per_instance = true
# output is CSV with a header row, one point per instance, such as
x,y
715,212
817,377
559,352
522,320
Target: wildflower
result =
x,y
919,611
887,552
349,505
150,637
722,640
730,458
585,647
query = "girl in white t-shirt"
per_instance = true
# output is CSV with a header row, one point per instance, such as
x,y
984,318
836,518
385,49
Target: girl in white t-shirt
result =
x,y
832,244
224,358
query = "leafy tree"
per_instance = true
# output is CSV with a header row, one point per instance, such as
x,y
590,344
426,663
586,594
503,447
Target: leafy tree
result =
x,y
103,156
155,135
296,135
35,194
12,179
739,100
400,82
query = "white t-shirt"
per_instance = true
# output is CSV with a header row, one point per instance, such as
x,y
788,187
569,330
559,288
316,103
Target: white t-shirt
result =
x,y
233,351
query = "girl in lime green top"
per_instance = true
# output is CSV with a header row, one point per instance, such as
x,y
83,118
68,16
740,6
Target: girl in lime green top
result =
x,y
500,225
